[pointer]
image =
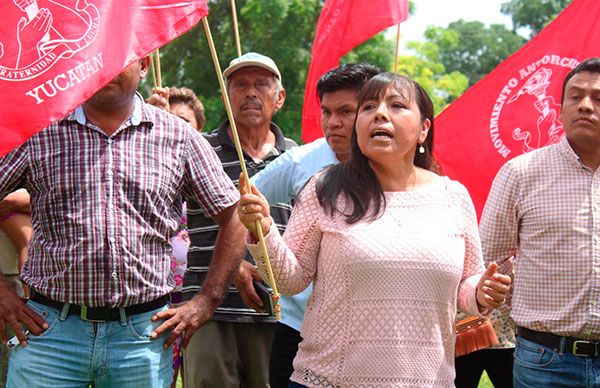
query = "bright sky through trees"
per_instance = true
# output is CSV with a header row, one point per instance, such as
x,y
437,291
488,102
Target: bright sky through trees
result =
x,y
442,12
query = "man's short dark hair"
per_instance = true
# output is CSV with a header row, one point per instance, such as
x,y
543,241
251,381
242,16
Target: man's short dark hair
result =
x,y
591,65
348,76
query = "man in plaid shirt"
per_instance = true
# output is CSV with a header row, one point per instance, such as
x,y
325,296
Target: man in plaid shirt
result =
x,y
107,184
543,217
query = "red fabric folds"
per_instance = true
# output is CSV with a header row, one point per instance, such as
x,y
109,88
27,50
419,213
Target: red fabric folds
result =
x,y
55,54
343,25
515,108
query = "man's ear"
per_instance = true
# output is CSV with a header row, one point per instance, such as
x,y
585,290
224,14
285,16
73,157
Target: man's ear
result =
x,y
280,99
144,65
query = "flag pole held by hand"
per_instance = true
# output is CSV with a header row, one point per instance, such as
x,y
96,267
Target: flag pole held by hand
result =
x,y
240,153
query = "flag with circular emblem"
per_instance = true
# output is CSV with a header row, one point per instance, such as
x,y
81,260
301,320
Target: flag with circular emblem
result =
x,y
55,54
515,108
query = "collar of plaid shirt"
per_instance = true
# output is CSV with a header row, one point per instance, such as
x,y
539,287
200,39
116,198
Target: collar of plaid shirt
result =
x,y
135,119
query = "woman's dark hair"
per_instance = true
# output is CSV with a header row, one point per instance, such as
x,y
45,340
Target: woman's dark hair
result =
x,y
355,180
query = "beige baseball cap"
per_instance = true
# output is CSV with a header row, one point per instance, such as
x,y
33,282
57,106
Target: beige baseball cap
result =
x,y
252,59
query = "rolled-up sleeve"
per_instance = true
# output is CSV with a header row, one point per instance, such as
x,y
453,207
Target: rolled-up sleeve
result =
x,y
204,178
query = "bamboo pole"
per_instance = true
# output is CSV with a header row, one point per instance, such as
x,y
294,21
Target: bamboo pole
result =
x,y
153,68
235,29
158,72
240,153
397,49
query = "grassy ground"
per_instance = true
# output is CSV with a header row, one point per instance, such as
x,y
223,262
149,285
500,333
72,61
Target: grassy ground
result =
x,y
485,381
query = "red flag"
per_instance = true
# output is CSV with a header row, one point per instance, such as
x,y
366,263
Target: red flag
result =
x,y
515,108
343,25
54,54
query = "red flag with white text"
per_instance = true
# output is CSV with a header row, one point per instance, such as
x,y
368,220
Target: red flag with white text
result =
x,y
55,54
343,25
515,108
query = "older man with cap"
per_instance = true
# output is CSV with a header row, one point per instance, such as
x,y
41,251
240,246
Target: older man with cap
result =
x,y
232,350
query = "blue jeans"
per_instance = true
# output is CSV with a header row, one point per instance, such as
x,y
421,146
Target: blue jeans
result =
x,y
540,366
76,353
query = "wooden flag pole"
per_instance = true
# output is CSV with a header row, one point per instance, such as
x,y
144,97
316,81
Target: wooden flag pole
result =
x,y
153,68
240,153
158,73
235,29
397,49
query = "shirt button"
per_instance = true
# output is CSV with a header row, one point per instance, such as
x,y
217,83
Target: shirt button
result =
x,y
594,303
114,275
110,141
112,239
596,269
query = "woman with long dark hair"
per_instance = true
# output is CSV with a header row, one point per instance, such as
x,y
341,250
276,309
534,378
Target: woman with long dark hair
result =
x,y
392,249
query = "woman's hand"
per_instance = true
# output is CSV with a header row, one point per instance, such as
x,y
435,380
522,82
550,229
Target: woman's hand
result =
x,y
493,288
253,207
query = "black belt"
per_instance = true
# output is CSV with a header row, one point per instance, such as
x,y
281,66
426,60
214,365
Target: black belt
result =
x,y
570,345
100,314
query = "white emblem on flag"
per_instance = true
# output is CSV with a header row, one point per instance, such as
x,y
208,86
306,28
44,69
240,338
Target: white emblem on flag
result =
x,y
529,99
39,41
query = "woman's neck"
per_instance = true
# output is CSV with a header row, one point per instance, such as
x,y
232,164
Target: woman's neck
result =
x,y
396,178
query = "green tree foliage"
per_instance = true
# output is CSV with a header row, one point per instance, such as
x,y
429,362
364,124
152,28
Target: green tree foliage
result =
x,y
455,57
281,29
472,48
426,68
446,63
378,51
533,14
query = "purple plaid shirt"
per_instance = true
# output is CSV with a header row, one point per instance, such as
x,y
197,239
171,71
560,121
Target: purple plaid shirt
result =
x,y
104,208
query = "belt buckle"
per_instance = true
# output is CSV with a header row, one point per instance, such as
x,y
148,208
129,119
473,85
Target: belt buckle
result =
x,y
583,342
83,316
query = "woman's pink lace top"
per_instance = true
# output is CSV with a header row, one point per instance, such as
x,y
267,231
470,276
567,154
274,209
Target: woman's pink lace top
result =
x,y
385,291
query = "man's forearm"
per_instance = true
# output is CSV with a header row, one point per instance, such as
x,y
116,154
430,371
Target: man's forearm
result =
x,y
228,252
